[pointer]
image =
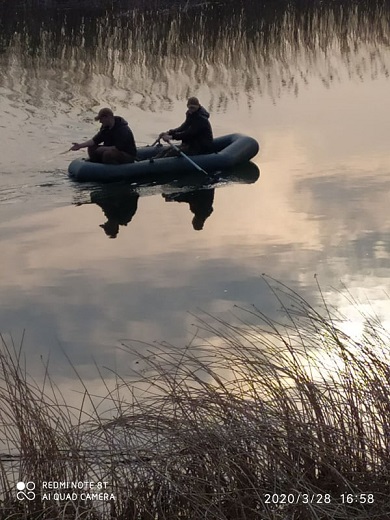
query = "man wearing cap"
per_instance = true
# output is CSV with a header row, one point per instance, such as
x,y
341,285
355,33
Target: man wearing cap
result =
x,y
118,141
195,133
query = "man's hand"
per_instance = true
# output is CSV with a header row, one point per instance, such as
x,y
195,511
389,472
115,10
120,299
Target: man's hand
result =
x,y
166,137
75,147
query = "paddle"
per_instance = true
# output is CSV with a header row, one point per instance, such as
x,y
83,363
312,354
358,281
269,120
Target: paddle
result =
x,y
186,157
157,141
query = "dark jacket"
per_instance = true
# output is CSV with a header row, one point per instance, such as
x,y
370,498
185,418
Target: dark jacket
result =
x,y
195,132
119,136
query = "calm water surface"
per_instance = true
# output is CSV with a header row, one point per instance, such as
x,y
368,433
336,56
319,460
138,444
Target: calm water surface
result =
x,y
311,85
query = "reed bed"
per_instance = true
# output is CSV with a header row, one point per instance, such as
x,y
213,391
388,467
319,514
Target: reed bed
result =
x,y
268,418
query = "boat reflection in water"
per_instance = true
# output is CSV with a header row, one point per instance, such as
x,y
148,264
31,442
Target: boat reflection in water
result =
x,y
119,201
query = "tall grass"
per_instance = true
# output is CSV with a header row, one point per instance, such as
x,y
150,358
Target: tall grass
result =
x,y
263,413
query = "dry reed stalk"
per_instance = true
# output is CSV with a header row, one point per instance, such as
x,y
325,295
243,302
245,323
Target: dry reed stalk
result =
x,y
252,412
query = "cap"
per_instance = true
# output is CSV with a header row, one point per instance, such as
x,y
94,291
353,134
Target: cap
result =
x,y
104,112
111,228
193,101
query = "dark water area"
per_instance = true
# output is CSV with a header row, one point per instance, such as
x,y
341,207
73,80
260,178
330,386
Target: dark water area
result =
x,y
85,269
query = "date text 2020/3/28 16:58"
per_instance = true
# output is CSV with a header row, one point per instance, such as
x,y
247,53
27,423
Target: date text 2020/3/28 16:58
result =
x,y
318,498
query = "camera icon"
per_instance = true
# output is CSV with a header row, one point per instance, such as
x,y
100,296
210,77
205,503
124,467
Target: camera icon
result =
x,y
25,490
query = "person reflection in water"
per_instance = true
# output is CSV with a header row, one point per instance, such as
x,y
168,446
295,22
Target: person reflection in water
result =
x,y
200,203
119,209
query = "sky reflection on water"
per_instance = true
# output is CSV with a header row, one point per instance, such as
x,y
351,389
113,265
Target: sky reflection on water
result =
x,y
311,86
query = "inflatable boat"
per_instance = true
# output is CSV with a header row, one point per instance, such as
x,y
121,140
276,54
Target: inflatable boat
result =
x,y
230,151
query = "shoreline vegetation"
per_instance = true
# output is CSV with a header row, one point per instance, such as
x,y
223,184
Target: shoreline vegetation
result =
x,y
281,418
156,51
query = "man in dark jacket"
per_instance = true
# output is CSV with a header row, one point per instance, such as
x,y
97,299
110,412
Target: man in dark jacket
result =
x,y
117,138
195,133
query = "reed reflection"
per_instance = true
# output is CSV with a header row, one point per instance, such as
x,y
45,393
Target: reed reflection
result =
x,y
155,57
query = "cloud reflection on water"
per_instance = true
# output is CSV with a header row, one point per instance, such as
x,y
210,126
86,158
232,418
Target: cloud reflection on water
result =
x,y
320,206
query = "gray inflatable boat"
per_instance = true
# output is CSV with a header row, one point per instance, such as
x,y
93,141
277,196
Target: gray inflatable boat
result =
x,y
230,151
